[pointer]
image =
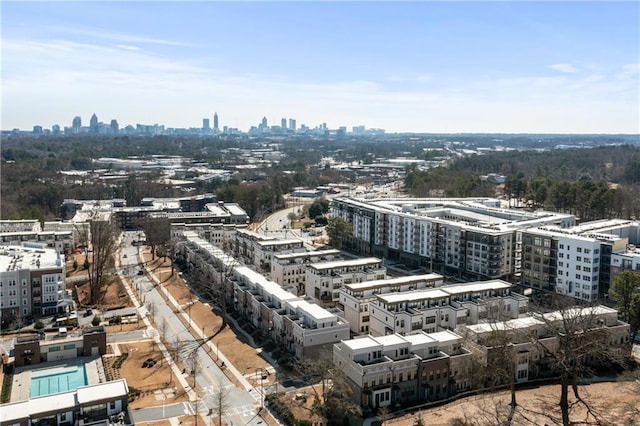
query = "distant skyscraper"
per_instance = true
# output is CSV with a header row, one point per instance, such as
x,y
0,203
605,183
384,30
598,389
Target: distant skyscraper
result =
x,y
55,129
115,128
283,123
205,124
215,122
292,123
76,125
93,124
264,123
37,130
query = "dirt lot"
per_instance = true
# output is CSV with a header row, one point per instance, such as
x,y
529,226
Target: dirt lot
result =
x,y
114,294
156,383
614,400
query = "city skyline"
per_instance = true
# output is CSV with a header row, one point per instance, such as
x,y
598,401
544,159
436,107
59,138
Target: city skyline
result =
x,y
423,67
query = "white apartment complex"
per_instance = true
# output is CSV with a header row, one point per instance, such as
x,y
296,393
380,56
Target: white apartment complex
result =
x,y
578,261
32,281
265,250
444,307
290,269
470,237
324,280
356,298
407,370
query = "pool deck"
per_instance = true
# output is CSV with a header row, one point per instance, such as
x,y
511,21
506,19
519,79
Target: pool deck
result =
x,y
20,389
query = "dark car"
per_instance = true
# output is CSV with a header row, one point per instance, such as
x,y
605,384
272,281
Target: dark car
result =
x,y
140,272
88,313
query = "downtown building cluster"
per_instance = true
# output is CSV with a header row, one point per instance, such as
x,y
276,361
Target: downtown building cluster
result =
x,y
210,127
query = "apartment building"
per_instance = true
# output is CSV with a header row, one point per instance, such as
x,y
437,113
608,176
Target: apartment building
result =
x,y
408,370
356,299
576,261
275,312
396,370
102,403
323,280
219,234
629,260
444,307
22,225
33,349
472,238
533,339
32,282
244,244
290,269
265,250
61,241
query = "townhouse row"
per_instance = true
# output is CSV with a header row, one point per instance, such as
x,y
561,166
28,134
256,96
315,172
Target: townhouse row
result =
x,y
398,370
277,313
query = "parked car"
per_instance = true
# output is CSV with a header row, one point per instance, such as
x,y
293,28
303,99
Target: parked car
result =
x,y
88,313
141,272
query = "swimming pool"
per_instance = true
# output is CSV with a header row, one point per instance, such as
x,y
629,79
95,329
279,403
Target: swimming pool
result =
x,y
58,380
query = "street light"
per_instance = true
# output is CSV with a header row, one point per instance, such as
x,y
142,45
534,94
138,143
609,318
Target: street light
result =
x,y
261,371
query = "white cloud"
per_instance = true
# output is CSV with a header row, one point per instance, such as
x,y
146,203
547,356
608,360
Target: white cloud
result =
x,y
566,68
127,47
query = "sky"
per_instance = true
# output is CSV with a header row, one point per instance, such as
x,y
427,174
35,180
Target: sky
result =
x,y
416,66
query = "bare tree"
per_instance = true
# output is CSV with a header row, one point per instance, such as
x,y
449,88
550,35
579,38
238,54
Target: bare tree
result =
x,y
177,347
221,403
194,365
158,232
163,328
333,399
103,241
577,340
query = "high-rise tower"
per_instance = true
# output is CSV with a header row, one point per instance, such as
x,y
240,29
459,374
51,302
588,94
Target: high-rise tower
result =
x,y
77,123
93,124
215,122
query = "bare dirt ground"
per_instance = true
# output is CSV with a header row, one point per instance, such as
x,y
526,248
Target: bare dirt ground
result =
x,y
614,402
156,383
114,294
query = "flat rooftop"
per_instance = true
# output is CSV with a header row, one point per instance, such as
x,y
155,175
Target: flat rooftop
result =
x,y
15,258
333,264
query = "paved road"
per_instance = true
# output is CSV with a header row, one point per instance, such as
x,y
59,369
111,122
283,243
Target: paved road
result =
x,y
159,413
243,404
278,225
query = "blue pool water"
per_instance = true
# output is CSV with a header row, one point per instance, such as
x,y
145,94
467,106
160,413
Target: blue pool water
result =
x,y
62,380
